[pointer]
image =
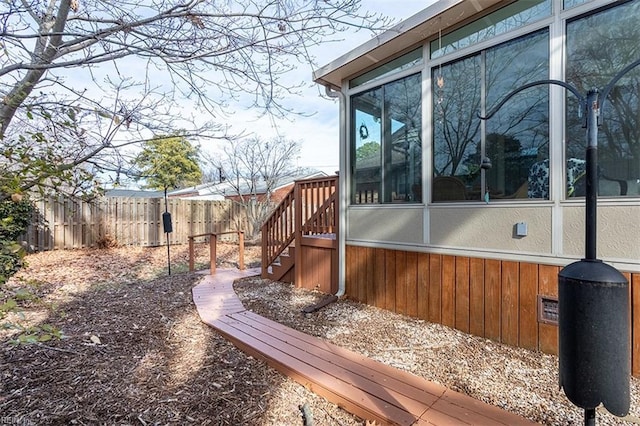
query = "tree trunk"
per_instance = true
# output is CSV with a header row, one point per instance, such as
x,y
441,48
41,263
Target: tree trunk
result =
x,y
24,87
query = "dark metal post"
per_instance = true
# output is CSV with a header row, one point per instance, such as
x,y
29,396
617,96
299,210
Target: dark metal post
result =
x,y
589,417
591,202
593,297
593,110
166,233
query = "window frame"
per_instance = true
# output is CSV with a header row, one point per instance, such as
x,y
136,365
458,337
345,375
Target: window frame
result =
x,y
481,54
385,167
585,10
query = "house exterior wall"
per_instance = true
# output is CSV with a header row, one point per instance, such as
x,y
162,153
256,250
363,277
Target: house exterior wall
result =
x,y
401,225
492,228
618,232
449,252
491,298
470,224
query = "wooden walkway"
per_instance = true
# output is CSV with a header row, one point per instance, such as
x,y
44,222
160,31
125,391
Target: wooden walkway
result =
x,y
362,386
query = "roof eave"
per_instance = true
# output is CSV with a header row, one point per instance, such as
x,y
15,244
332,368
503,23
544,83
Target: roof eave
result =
x,y
439,16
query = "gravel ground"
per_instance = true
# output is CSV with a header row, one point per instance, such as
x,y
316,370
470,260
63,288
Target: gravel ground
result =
x,y
517,380
134,351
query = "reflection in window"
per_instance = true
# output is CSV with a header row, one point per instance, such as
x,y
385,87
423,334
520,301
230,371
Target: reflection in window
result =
x,y
456,128
386,143
518,135
515,138
404,62
598,47
367,135
513,16
568,4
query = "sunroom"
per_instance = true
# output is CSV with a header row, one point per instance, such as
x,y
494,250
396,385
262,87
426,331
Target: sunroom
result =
x,y
466,221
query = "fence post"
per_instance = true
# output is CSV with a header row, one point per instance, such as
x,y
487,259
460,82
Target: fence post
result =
x,y
212,253
241,250
191,255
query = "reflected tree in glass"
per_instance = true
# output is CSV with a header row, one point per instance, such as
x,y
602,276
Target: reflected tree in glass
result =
x,y
598,47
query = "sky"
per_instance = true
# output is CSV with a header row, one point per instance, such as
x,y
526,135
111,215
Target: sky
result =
x,y
318,134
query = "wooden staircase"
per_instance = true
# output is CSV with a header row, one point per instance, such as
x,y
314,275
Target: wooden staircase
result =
x,y
283,266
299,239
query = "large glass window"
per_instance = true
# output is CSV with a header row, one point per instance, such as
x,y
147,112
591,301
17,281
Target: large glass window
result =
x,y
568,4
386,143
404,62
515,15
513,141
598,47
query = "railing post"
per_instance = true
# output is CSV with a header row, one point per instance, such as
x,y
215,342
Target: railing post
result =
x,y
335,275
191,255
213,240
297,202
241,250
264,243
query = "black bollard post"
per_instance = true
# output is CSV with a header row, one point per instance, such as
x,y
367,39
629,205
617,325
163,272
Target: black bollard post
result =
x,y
593,306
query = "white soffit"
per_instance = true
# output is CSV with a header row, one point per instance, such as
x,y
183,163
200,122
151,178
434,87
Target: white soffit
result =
x,y
422,26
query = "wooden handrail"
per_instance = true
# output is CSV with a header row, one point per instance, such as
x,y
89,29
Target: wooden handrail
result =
x,y
278,230
323,220
213,241
310,208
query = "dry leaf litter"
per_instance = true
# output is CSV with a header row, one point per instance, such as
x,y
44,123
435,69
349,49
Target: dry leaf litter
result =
x,y
135,352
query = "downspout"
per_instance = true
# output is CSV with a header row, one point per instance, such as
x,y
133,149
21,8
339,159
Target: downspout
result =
x,y
342,201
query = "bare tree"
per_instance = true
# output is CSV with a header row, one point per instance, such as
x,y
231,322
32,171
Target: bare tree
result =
x,y
103,62
253,169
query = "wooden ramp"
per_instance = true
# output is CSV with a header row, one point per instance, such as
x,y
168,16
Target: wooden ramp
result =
x,y
362,386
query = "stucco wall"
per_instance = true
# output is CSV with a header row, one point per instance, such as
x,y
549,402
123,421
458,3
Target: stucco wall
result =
x,y
403,225
492,227
618,231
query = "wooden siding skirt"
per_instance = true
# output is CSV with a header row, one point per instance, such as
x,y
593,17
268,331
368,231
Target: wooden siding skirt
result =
x,y
495,299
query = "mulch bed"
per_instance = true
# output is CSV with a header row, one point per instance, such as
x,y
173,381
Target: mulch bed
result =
x,y
134,350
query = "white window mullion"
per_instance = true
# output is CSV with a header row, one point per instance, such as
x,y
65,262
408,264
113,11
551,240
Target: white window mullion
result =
x,y
427,144
557,129
483,123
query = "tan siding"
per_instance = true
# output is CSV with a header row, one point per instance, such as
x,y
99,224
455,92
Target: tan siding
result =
x,y
390,280
412,284
510,296
635,324
423,285
435,288
401,282
493,295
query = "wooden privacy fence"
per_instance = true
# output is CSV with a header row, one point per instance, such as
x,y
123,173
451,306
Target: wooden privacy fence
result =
x,y
63,223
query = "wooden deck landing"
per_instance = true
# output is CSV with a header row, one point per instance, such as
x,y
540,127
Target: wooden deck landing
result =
x,y
362,386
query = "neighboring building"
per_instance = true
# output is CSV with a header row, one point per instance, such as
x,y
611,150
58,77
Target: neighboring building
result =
x,y
227,191
133,193
205,191
429,232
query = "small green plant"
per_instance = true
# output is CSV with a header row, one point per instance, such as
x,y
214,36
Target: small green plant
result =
x,y
15,216
24,295
8,306
28,334
35,334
